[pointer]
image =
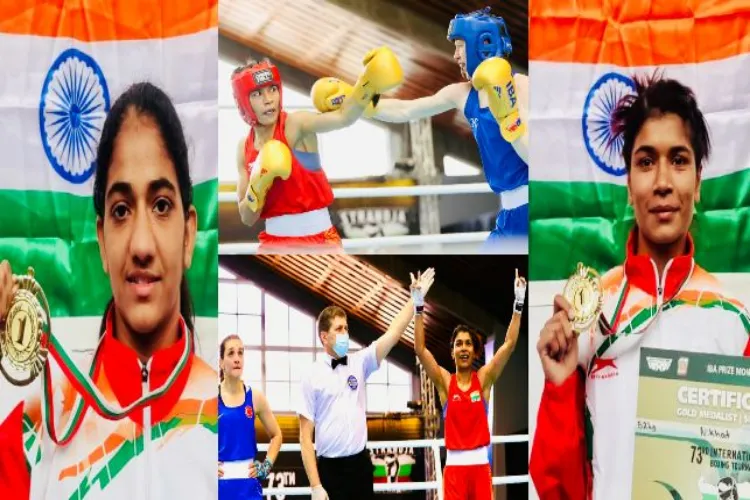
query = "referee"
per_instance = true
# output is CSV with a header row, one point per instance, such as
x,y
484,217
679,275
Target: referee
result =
x,y
334,399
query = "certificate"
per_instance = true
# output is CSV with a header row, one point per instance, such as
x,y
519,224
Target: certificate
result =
x,y
692,436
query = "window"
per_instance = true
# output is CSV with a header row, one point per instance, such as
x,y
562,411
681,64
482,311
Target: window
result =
x,y
453,167
224,274
389,389
361,150
281,345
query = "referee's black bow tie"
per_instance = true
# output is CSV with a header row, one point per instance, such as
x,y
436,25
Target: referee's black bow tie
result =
x,y
340,361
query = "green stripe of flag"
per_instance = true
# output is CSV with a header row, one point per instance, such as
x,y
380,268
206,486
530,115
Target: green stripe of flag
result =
x,y
56,234
589,223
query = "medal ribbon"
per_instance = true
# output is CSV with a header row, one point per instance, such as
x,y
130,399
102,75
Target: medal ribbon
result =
x,y
88,394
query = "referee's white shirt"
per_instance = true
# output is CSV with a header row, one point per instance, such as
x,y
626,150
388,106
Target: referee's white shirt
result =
x,y
336,401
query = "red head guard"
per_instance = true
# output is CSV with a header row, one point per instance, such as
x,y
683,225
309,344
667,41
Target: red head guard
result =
x,y
249,80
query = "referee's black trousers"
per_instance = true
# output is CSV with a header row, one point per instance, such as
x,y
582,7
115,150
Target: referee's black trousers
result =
x,y
347,478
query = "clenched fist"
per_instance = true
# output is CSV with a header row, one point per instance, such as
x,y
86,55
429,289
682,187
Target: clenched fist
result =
x,y
8,288
558,344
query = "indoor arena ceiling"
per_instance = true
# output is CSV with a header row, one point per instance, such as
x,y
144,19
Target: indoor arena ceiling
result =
x,y
372,289
329,38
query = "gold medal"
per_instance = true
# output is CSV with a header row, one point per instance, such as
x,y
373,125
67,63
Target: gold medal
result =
x,y
22,356
584,293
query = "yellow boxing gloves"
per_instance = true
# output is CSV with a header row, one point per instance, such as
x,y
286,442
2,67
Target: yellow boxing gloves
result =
x,y
328,94
382,73
274,161
495,76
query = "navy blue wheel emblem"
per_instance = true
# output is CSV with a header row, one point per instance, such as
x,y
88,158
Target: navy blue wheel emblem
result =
x,y
72,109
597,125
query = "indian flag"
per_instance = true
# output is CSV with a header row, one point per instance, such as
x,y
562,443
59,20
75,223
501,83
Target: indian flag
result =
x,y
583,56
63,65
582,59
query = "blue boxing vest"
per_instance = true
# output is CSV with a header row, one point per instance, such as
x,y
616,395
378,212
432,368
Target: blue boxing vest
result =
x,y
503,168
237,442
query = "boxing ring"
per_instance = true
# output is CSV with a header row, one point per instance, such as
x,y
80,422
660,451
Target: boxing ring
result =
x,y
433,444
420,243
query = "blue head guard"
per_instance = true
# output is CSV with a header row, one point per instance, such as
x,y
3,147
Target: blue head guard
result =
x,y
485,36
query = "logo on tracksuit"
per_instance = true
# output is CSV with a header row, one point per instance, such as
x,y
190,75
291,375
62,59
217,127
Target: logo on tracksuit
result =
x,y
604,368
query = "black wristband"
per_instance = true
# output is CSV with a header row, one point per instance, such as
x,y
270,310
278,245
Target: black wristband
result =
x,y
518,307
418,309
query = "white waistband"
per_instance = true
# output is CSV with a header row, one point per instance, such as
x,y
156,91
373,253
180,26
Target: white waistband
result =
x,y
236,470
295,225
515,197
477,456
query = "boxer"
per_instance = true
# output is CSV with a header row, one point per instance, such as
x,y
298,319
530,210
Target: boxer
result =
x,y
281,179
494,101
464,397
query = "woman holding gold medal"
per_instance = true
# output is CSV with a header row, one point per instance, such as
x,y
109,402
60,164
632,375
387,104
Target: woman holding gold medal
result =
x,y
464,397
659,298
139,422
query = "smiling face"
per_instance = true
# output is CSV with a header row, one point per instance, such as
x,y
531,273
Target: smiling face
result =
x,y
663,182
145,234
265,104
463,351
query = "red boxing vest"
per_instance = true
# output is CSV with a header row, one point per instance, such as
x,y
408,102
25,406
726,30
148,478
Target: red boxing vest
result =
x,y
465,416
304,191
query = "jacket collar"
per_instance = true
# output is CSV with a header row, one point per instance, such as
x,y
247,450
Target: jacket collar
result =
x,y
125,371
642,273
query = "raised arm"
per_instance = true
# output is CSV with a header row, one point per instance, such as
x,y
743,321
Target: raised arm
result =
x,y
382,72
490,372
437,373
318,123
401,111
263,410
391,337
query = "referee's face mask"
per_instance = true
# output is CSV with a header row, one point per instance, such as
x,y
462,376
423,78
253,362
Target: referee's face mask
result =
x,y
336,339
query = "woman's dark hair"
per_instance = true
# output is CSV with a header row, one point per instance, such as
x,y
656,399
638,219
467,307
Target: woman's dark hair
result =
x,y
476,339
146,99
222,350
656,96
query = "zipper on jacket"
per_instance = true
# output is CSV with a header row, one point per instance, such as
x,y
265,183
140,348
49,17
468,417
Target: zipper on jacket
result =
x,y
145,369
660,282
